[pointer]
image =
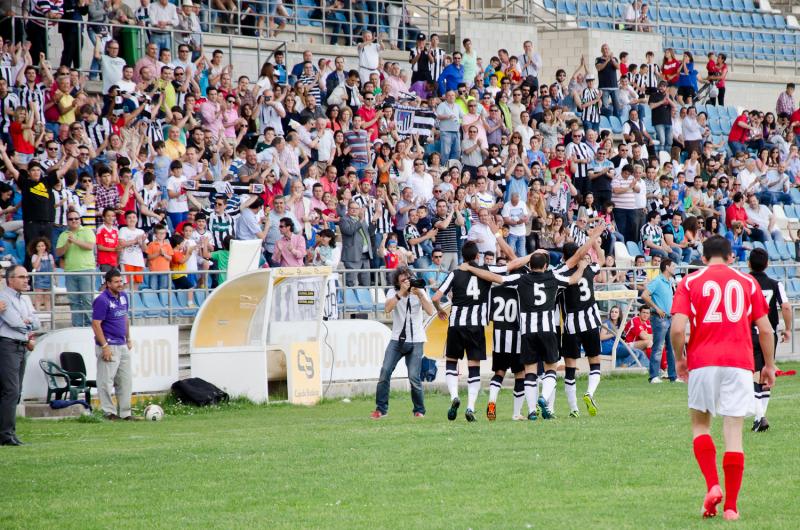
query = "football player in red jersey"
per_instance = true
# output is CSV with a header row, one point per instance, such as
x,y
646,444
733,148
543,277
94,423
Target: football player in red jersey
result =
x,y
720,305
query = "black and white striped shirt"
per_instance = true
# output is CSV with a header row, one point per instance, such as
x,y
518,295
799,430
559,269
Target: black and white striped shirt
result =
x,y
98,131
504,314
384,224
220,226
581,151
368,203
577,234
8,70
151,197
33,94
470,296
582,313
447,238
10,101
650,79
537,299
61,211
592,112
410,233
437,65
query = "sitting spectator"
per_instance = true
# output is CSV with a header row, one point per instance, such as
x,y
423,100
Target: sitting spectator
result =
x,y
762,221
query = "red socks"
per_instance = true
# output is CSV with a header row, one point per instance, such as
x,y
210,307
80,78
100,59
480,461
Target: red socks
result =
x,y
733,464
706,455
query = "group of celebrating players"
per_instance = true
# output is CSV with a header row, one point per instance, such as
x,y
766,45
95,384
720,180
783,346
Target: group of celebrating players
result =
x,y
541,313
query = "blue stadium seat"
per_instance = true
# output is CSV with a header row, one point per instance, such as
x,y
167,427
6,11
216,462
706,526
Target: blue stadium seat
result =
x,y
571,7
727,5
200,297
732,112
152,302
705,18
784,251
695,33
736,20
715,4
725,19
550,4
793,288
180,304
790,211
351,302
604,9
686,16
795,194
694,4
605,123
616,125
633,249
772,250
714,125
738,5
712,111
138,309
780,22
583,9
747,20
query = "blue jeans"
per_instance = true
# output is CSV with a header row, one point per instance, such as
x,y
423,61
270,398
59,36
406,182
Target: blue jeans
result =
x,y
674,256
769,198
627,356
412,351
161,40
517,243
80,304
611,103
451,146
160,283
664,135
737,147
338,26
660,339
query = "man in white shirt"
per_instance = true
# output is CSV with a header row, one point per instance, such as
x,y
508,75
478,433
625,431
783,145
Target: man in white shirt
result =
x,y
749,177
111,64
530,61
692,132
515,215
163,16
421,182
481,233
762,221
775,184
624,189
325,144
368,56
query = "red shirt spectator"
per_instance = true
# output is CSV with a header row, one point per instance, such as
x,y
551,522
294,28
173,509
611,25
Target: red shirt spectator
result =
x,y
368,115
670,70
635,328
108,237
735,212
740,129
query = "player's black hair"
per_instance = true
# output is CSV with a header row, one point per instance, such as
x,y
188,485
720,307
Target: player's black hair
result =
x,y
569,250
111,274
665,262
716,247
758,260
469,251
540,260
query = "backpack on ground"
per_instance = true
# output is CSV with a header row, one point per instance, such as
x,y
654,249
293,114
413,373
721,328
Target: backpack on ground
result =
x,y
198,392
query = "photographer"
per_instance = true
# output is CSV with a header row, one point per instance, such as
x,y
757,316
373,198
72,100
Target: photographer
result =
x,y
405,302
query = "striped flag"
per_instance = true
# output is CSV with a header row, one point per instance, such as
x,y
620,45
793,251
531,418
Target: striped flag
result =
x,y
414,120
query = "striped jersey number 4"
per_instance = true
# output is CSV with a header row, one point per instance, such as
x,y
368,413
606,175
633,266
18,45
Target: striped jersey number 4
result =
x,y
731,298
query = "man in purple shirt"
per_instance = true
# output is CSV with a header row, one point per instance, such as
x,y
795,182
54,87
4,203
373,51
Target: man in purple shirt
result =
x,y
112,336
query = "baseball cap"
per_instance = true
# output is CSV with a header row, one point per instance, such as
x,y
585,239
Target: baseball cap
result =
x,y
187,3
421,36
590,77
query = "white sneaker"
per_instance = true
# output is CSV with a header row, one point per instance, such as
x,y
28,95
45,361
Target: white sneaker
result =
x,y
678,380
518,417
655,380
663,374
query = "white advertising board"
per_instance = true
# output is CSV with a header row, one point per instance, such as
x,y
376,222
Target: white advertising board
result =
x,y
154,357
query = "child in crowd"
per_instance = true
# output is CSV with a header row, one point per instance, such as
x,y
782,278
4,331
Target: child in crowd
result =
x,y
323,252
133,244
220,258
41,261
159,257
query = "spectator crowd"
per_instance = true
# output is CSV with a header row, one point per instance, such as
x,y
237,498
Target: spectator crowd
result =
x,y
179,155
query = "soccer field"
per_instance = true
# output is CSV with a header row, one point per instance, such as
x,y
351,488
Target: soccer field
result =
x,y
279,466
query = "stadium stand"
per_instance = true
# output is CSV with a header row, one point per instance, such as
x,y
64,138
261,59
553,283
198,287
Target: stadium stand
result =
x,y
164,118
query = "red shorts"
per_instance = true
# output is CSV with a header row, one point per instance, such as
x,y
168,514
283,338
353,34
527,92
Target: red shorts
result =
x,y
137,278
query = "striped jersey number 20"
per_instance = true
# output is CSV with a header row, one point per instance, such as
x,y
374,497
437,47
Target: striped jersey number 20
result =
x,y
732,298
505,310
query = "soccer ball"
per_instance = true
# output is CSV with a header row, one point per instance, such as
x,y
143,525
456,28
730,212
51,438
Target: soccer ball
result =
x,y
153,413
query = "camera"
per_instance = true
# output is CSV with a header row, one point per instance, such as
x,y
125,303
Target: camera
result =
x,y
417,283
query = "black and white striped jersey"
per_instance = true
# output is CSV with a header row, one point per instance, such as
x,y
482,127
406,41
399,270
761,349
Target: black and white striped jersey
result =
x,y
368,203
775,294
7,103
410,232
98,131
581,151
537,299
504,314
33,94
384,223
581,311
470,296
592,112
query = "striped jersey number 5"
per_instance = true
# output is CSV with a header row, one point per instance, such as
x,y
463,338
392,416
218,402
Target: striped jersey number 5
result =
x,y
505,311
732,298
472,288
583,285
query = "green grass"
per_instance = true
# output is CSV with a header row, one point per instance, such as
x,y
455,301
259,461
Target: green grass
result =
x,y
279,466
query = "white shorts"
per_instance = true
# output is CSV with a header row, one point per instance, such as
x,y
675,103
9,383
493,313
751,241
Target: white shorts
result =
x,y
722,390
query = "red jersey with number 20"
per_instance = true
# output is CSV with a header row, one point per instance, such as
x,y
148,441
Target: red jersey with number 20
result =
x,y
722,305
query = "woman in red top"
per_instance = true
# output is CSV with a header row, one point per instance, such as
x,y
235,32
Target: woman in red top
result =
x,y
21,132
722,74
670,67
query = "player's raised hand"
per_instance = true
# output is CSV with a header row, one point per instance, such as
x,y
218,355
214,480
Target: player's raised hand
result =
x,y
598,229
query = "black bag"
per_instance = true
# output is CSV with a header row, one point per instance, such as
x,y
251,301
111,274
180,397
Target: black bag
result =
x,y
198,392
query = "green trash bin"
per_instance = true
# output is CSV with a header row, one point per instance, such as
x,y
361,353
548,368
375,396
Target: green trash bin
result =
x,y
130,46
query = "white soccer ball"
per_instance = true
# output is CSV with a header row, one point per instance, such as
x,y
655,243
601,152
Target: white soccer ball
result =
x,y
153,413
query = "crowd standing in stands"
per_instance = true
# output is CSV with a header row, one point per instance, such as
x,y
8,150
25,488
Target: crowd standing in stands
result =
x,y
180,155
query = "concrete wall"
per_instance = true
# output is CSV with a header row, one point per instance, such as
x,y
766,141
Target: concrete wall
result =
x,y
563,48
489,36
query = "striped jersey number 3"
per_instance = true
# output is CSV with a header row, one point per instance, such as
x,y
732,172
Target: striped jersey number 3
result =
x,y
505,310
583,285
731,298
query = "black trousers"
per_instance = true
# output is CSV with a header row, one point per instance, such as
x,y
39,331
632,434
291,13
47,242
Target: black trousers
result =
x,y
37,36
12,370
71,54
